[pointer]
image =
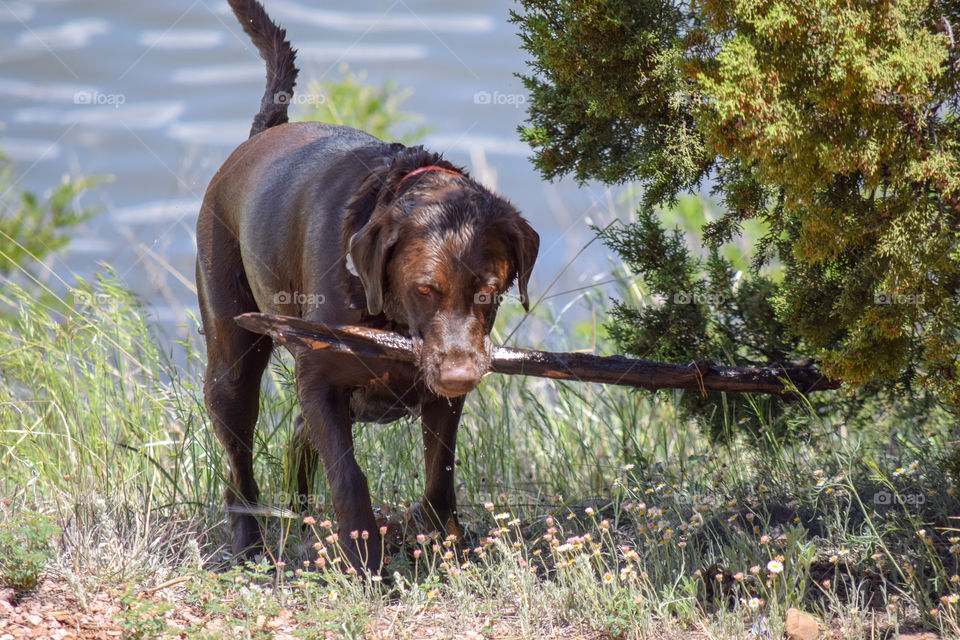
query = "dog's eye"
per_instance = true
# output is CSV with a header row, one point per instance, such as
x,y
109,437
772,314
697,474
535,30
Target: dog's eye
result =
x,y
424,290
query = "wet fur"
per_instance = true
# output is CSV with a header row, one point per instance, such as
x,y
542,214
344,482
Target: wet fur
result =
x,y
281,215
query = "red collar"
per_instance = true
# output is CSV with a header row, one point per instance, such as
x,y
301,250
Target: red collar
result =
x,y
430,167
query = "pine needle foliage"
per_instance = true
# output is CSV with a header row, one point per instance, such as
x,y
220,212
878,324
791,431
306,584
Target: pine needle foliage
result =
x,y
833,122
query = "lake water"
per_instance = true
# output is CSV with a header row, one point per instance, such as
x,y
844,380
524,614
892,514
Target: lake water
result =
x,y
156,95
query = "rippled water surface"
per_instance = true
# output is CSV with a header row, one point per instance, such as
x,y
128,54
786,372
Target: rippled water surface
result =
x,y
156,95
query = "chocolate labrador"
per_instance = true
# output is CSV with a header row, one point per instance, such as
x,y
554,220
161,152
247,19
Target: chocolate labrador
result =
x,y
333,225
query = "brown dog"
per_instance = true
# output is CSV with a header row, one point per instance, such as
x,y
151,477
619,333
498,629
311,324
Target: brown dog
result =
x,y
432,252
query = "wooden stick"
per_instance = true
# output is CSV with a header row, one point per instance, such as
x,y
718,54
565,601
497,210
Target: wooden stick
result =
x,y
162,585
582,367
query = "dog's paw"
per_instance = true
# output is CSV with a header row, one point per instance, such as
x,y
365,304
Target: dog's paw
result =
x,y
418,520
247,541
393,539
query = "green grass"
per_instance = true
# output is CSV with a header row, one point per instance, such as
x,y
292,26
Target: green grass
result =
x,y
589,508
25,547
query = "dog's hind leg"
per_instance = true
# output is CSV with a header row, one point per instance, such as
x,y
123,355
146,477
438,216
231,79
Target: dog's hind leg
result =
x,y
236,359
301,465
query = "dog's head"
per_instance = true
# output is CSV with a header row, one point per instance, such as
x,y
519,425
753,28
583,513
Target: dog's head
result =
x,y
437,254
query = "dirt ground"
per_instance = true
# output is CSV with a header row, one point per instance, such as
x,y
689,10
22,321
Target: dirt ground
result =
x,y
53,611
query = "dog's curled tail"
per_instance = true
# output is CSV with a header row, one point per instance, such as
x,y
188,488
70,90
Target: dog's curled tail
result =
x,y
279,56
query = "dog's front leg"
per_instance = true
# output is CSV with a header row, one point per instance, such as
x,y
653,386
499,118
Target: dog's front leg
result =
x,y
329,430
439,421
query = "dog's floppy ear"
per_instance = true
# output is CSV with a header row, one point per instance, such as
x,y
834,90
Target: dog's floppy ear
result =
x,y
369,249
524,244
